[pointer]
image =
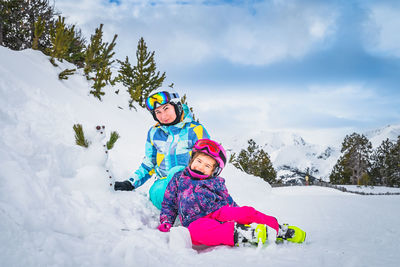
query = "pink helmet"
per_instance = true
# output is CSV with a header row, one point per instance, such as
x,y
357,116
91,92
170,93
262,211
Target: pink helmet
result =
x,y
214,150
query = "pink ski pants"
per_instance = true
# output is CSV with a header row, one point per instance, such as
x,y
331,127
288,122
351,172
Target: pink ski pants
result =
x,y
217,228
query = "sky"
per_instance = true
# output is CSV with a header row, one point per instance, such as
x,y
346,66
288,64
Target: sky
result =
x,y
322,69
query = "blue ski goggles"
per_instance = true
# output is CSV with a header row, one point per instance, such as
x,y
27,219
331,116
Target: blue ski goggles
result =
x,y
159,99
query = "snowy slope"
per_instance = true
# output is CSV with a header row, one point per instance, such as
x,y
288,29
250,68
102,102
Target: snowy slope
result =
x,y
56,208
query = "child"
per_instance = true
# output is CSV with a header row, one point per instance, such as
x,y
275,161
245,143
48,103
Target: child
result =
x,y
200,198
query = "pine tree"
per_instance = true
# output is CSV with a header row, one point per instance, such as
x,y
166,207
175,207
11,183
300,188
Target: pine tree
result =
x,y
76,50
380,163
359,149
264,168
355,161
38,32
393,163
14,30
17,23
61,37
254,160
98,60
341,173
141,79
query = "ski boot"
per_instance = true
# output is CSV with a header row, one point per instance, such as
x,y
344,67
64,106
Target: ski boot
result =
x,y
250,234
290,233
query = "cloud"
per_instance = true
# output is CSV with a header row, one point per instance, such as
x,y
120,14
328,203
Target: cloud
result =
x,y
315,108
382,29
191,32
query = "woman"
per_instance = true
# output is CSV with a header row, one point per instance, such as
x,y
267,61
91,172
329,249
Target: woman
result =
x,y
168,146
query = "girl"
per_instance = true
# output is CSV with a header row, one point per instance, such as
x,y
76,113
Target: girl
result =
x,y
200,198
168,146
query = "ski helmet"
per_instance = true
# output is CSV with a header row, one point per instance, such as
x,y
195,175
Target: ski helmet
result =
x,y
212,149
160,98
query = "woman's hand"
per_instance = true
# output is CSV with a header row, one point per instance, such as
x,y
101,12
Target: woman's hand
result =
x,y
123,186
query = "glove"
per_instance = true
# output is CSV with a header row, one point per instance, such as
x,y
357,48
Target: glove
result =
x,y
123,186
164,227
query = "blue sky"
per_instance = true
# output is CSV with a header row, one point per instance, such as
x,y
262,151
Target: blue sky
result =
x,y
312,67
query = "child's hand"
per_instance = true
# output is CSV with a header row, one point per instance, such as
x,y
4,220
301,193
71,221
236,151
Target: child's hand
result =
x,y
164,227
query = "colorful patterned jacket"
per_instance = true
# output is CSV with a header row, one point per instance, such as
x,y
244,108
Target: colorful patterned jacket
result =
x,y
192,198
167,147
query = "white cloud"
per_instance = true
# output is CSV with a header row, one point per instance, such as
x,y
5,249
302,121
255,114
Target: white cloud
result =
x,y
382,29
315,109
259,34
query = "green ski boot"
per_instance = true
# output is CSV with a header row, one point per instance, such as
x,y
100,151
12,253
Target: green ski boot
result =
x,y
290,233
250,234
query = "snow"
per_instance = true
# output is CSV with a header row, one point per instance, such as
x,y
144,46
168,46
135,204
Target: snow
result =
x,y
373,189
57,209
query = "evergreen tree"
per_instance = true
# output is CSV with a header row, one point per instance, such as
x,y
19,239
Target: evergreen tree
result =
x,y
393,162
380,163
14,32
355,161
17,23
61,37
38,32
93,52
254,160
341,173
98,61
359,149
141,79
76,50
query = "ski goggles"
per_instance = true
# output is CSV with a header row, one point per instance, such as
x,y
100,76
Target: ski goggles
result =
x,y
212,148
160,98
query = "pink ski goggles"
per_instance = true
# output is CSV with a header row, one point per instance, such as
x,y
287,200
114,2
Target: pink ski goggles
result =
x,y
213,149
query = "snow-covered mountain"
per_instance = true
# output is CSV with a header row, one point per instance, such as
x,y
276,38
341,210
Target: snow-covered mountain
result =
x,y
376,136
291,154
57,209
